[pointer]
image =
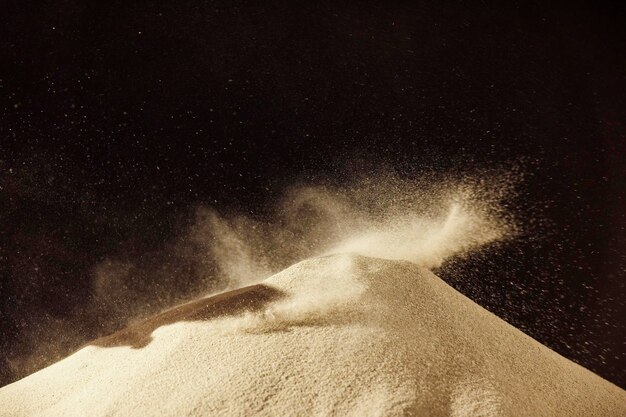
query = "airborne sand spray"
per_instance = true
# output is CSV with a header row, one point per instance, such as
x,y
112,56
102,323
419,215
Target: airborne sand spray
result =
x,y
426,221
386,217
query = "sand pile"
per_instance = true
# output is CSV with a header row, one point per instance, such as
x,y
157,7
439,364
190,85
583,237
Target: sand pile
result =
x,y
337,335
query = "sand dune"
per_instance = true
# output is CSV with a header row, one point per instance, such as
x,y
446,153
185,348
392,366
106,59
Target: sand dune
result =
x,y
337,335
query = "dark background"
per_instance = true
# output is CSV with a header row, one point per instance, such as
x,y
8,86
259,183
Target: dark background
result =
x,y
118,118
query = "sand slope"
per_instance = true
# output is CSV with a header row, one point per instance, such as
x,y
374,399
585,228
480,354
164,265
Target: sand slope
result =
x,y
339,335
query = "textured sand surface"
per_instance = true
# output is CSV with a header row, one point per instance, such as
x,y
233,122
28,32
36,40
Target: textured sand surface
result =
x,y
338,335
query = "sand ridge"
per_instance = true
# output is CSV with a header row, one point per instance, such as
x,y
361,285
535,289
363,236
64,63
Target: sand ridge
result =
x,y
337,335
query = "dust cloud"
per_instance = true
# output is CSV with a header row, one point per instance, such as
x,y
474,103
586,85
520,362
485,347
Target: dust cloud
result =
x,y
388,217
426,221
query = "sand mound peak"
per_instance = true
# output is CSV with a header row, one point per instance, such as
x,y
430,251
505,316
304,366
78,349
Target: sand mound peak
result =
x,y
337,335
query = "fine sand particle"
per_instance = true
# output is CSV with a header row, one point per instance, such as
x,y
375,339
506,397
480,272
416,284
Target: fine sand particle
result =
x,y
339,335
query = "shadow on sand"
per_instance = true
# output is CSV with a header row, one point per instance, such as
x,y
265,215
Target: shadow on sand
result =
x,y
247,299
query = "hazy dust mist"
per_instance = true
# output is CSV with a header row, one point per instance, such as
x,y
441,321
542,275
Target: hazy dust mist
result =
x,y
387,218
424,221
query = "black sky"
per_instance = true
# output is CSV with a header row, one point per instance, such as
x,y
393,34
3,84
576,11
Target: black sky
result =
x,y
118,119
